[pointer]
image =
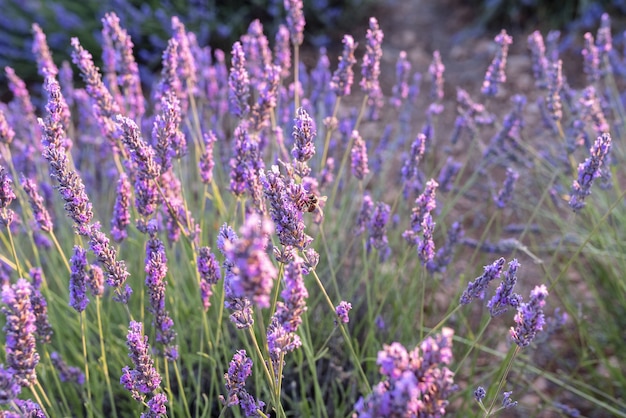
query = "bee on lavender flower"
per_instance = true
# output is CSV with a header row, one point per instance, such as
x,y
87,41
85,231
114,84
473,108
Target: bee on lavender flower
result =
x,y
311,204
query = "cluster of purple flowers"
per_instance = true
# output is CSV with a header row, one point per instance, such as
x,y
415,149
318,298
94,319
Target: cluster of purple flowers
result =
x,y
417,383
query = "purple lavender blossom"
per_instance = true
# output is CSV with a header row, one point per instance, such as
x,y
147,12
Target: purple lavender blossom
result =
x,y
269,84
358,156
78,279
417,383
342,311
209,270
40,307
7,134
170,81
240,368
239,83
23,104
504,295
496,74
506,400
591,109
156,406
539,60
106,255
280,342
125,65
143,378
555,85
295,21
343,77
45,64
303,136
426,245
480,393
476,289
287,201
378,230
591,60
257,52
424,204
282,51
411,176
506,193
252,271
246,155
67,373
9,389
186,67
156,270
7,195
436,70
365,214
142,154
71,187
371,60
529,318
589,171
40,212
105,106
20,328
167,139
604,39
400,90
447,174
207,163
121,210
289,311
320,80
28,409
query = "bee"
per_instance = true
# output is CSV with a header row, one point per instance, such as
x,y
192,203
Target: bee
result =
x,y
312,203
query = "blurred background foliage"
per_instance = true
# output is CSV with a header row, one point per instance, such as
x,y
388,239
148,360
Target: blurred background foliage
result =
x,y
219,23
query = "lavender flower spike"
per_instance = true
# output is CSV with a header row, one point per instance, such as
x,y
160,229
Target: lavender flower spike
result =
x,y
143,378
238,83
253,272
141,153
359,157
504,295
209,271
207,162
121,209
589,170
342,311
529,318
303,136
295,21
436,70
496,72
506,193
371,60
21,354
239,370
343,77
78,279
40,212
476,289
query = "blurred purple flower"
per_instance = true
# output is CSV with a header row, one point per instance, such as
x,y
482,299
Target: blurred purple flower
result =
x,y
295,21
239,83
67,373
9,389
239,369
207,162
342,311
496,74
400,90
20,327
121,209
303,136
343,77
424,204
359,156
370,70
143,378
436,70
539,60
504,295
40,307
156,407
209,271
289,311
40,212
506,193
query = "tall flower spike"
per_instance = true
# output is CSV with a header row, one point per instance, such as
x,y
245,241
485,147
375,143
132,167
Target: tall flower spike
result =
x,y
289,311
141,153
239,369
359,156
238,83
343,77
436,70
209,270
555,85
589,171
424,204
295,21
143,378
156,270
371,60
378,230
45,65
303,136
591,60
78,279
207,162
106,255
496,74
426,244
40,307
400,90
539,60
186,63
504,295
506,193
121,210
530,318
40,212
21,354
476,289
253,273
282,51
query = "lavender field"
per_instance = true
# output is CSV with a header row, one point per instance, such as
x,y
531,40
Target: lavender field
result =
x,y
241,234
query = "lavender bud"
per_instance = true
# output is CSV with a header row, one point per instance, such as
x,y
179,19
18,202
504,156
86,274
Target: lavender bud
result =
x,y
529,318
359,157
476,289
121,210
239,83
506,193
342,311
343,77
209,271
496,72
504,295
589,170
78,280
143,378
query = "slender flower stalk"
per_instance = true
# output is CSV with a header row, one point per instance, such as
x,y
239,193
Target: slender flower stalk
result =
x,y
589,171
496,73
436,70
505,194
